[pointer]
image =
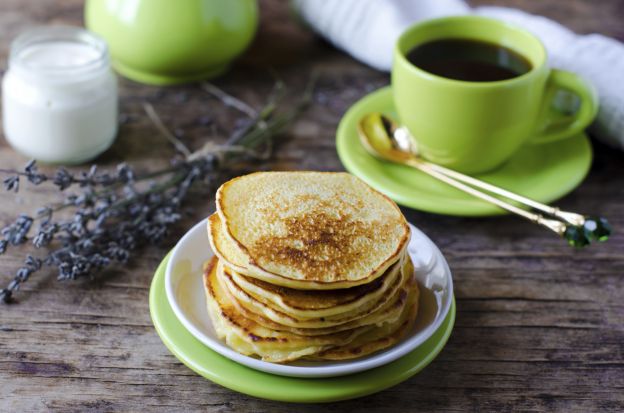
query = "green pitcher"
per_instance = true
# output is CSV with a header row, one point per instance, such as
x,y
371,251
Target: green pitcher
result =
x,y
166,42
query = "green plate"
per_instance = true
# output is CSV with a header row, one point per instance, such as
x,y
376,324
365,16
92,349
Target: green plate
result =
x,y
230,374
542,172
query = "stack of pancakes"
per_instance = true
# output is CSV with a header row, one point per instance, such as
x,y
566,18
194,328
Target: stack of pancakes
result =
x,y
308,265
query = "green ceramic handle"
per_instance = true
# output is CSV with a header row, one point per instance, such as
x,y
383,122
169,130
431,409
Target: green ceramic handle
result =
x,y
555,130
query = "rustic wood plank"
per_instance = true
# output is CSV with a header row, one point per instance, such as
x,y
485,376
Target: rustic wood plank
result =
x,y
540,327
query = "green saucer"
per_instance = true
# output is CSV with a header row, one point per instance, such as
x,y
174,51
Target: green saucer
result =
x,y
542,172
230,374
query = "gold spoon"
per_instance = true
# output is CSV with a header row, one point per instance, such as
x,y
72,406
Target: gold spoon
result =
x,y
384,139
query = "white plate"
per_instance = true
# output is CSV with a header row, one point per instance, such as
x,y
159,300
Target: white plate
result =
x,y
185,291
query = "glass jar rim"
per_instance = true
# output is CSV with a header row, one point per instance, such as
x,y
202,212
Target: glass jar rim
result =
x,y
51,34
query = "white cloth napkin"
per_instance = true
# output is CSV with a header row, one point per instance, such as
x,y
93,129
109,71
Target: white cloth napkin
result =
x,y
368,29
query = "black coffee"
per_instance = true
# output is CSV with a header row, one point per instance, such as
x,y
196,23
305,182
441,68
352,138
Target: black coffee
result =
x,y
469,60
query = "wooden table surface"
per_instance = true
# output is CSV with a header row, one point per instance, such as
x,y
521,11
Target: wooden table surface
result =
x,y
540,326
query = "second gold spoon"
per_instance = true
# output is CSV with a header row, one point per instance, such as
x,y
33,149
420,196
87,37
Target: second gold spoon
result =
x,y
384,139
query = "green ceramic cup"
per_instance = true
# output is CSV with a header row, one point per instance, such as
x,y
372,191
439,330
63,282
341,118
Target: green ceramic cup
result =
x,y
165,42
474,127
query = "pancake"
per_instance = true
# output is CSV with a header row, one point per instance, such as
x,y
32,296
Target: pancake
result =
x,y
317,303
380,337
280,317
230,253
249,338
311,227
389,313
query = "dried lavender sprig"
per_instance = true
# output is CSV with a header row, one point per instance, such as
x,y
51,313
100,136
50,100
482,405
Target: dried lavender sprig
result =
x,y
63,179
229,100
108,225
177,143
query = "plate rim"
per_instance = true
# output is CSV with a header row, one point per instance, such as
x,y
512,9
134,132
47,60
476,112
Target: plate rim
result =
x,y
391,354
302,390
476,208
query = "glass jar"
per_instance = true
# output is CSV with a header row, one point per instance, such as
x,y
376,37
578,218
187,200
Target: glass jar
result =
x,y
59,96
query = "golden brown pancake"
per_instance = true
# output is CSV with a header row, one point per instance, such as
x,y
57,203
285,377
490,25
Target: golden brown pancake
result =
x,y
230,253
316,303
380,337
311,227
250,338
285,319
388,313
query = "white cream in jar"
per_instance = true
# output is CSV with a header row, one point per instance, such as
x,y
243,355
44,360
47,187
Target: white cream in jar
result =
x,y
59,95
